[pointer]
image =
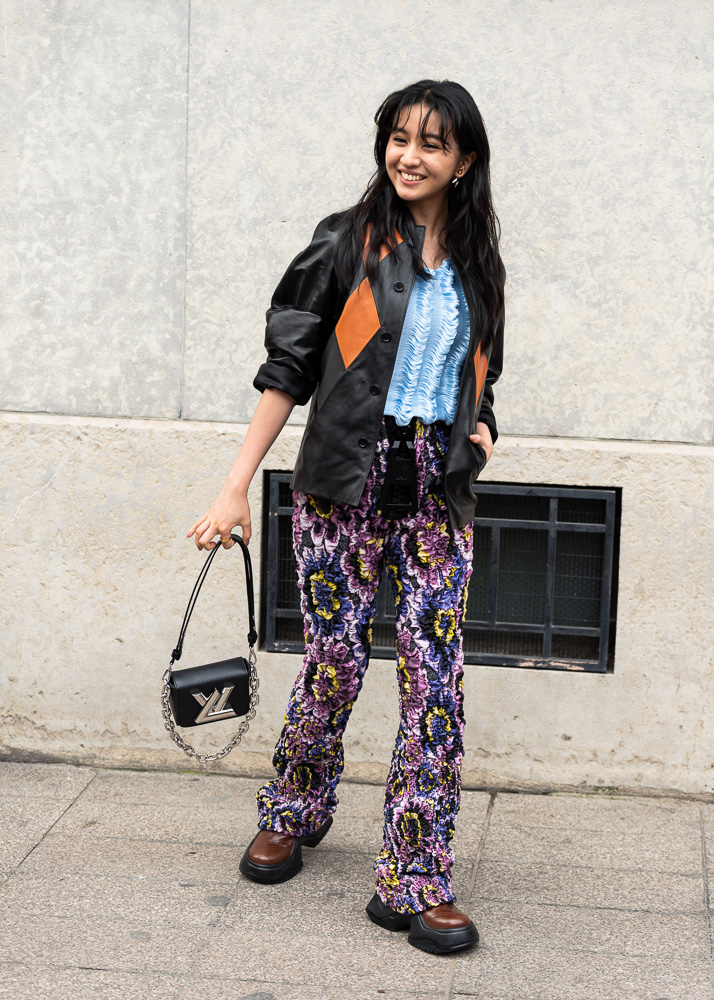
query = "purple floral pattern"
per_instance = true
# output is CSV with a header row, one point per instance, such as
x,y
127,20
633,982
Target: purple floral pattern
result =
x,y
341,553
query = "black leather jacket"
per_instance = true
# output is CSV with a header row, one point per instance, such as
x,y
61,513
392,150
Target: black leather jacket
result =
x,y
343,343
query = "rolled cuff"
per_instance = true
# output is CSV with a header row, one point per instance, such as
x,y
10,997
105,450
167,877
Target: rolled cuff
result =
x,y
279,375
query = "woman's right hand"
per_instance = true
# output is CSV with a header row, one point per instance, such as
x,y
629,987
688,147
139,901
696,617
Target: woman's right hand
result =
x,y
229,510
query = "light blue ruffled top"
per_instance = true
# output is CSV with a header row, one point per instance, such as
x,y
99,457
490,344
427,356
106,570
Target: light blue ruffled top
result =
x,y
432,349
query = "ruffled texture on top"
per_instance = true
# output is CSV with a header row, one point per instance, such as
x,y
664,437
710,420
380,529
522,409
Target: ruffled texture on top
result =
x,y
432,349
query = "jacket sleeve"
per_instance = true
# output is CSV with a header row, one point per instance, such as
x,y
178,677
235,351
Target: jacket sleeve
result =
x,y
495,367
301,317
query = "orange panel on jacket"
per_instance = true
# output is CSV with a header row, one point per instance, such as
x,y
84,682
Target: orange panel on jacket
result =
x,y
358,323
359,320
481,369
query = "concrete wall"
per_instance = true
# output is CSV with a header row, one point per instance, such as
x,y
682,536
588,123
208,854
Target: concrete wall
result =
x,y
160,163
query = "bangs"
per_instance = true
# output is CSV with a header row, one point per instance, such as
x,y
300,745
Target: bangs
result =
x,y
430,111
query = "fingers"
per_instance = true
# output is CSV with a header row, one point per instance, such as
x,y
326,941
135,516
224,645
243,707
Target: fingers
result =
x,y
478,439
214,528
205,532
194,526
202,532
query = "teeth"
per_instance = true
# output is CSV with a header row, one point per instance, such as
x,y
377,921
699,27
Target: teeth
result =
x,y
411,177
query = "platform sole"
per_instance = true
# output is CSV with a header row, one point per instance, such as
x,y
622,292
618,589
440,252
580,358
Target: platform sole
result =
x,y
442,942
390,920
287,869
436,942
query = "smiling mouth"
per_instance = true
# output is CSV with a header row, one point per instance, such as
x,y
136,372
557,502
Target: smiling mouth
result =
x,y
410,178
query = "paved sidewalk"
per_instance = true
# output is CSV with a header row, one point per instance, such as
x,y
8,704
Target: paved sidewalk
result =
x,y
124,885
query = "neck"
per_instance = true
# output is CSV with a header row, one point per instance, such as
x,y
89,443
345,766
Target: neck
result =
x,y
433,216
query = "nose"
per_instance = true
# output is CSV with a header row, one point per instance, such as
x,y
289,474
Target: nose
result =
x,y
410,155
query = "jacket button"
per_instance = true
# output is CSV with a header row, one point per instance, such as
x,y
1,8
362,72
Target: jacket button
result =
x,y
386,337
374,389
363,442
398,286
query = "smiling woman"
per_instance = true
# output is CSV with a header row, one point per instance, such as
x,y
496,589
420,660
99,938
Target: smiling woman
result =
x,y
421,165
391,323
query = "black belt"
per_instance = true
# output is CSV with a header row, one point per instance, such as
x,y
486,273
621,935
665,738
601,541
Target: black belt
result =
x,y
399,491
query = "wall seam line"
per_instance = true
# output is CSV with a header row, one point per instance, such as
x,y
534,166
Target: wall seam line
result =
x,y
182,368
707,897
230,424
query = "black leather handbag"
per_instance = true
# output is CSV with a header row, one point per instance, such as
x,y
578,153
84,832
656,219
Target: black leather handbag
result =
x,y
214,691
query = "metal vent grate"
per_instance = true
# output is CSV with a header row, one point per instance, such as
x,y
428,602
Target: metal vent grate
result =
x,y
542,593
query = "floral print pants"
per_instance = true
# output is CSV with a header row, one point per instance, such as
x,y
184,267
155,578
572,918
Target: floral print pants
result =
x,y
341,551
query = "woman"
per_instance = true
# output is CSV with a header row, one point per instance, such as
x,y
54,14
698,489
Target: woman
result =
x,y
391,322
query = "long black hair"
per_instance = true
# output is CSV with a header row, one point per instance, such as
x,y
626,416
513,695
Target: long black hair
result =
x,y
472,230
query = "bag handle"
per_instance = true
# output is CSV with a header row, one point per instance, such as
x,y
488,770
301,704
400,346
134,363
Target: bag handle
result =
x,y
252,634
176,655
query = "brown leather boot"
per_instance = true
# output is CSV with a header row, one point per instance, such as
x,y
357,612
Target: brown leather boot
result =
x,y
270,848
276,857
445,916
439,929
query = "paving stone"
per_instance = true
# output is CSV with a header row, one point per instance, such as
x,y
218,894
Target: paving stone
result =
x,y
222,810
508,928
359,819
138,899
98,944
114,857
335,874
470,822
679,852
595,812
551,975
218,989
200,865
29,818
24,823
206,818
607,904
33,982
324,943
228,824
582,886
13,850
47,781
192,790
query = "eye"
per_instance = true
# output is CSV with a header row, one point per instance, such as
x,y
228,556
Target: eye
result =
x,y
398,139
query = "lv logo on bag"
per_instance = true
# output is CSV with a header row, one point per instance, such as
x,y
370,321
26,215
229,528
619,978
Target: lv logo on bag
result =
x,y
213,708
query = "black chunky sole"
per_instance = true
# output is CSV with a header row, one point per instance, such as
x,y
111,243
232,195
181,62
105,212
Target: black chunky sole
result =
x,y
421,935
287,869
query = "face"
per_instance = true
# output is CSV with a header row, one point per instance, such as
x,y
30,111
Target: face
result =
x,y
422,168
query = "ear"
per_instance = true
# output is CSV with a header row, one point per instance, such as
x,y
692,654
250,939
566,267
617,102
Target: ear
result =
x,y
467,161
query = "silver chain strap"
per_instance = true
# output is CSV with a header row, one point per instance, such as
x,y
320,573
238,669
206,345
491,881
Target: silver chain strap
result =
x,y
235,739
